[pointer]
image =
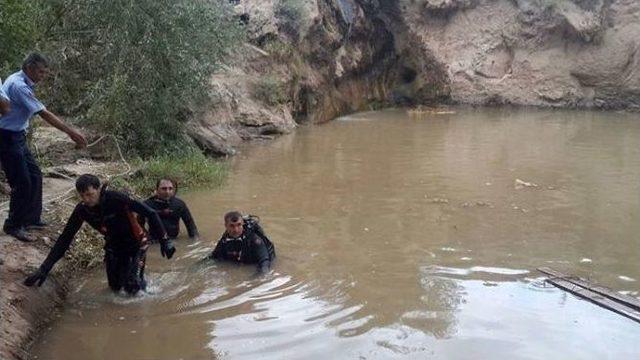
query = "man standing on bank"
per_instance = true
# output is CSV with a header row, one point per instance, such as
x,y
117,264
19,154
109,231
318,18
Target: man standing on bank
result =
x,y
21,169
113,214
171,209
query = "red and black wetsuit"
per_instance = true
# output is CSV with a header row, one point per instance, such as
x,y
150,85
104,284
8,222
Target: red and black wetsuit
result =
x,y
124,251
170,212
252,247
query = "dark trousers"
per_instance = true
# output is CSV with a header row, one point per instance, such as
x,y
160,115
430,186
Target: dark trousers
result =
x,y
24,177
125,270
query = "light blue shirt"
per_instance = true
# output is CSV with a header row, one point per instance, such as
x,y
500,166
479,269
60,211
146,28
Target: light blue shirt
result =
x,y
18,88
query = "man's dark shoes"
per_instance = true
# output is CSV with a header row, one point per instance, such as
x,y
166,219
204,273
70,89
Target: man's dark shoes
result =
x,y
37,226
20,234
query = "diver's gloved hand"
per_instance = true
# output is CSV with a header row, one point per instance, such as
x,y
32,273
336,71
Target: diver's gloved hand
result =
x,y
39,276
167,249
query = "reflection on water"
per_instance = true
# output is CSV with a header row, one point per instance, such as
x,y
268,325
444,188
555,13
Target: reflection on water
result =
x,y
398,237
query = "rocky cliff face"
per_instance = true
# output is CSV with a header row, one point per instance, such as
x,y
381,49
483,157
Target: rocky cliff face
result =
x,y
312,64
316,60
564,53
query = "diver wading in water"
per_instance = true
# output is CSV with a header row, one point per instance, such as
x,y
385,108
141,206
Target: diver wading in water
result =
x,y
171,209
244,242
113,214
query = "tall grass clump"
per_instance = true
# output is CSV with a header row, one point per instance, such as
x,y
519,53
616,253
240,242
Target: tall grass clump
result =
x,y
189,170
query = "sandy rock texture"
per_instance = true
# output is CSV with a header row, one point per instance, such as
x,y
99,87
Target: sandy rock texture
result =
x,y
561,53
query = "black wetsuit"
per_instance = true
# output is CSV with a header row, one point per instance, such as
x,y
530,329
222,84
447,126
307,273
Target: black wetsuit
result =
x,y
252,247
170,212
124,253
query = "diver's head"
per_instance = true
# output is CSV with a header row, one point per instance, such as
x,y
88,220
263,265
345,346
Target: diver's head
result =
x,y
166,189
233,223
88,187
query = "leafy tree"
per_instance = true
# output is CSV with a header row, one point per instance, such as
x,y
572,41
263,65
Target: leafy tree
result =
x,y
137,68
21,26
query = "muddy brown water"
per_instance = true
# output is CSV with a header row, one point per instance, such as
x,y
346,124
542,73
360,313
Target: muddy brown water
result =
x,y
398,236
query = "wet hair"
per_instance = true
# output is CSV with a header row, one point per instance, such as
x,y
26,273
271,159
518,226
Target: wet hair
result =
x,y
173,182
86,181
232,216
35,58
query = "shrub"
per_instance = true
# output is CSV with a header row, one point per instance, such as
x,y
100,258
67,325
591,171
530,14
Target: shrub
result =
x,y
280,50
21,25
293,16
138,69
270,91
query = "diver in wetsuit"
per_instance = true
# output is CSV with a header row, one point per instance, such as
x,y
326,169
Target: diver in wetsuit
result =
x,y
171,209
245,242
113,214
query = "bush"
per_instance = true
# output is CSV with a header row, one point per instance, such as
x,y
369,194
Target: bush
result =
x,y
21,26
270,91
280,50
138,69
293,16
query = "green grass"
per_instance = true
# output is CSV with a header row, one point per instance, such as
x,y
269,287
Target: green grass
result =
x,y
190,170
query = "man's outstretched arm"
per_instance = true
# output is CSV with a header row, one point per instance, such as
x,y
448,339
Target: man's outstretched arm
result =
x,y
189,223
57,252
55,121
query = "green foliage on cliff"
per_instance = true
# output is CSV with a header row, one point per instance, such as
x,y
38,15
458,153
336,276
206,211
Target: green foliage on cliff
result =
x,y
270,90
137,69
293,16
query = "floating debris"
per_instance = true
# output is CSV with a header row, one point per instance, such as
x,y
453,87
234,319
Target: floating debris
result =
x,y
421,110
437,200
515,207
521,184
477,203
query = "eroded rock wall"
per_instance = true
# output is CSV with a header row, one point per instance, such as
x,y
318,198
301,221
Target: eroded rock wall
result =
x,y
349,55
563,53
342,56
